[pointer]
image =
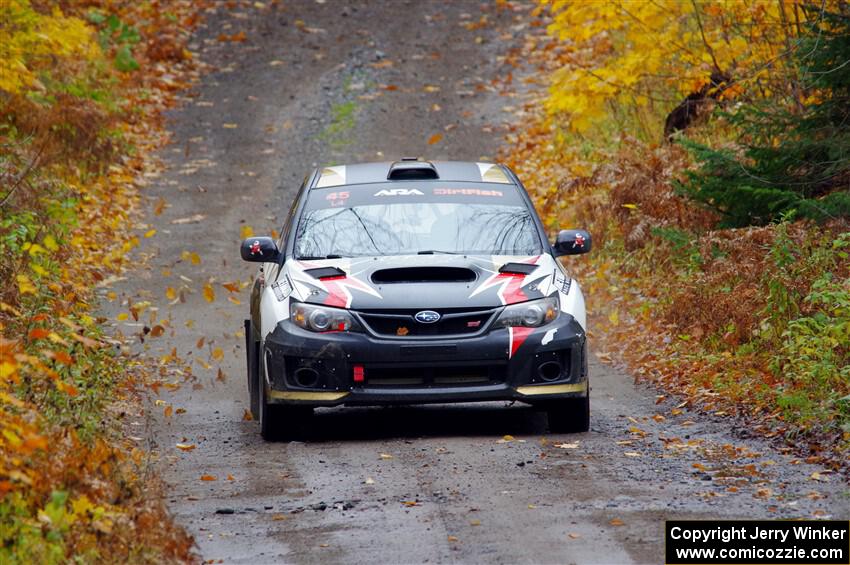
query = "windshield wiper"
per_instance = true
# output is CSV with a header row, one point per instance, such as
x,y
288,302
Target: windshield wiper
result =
x,y
317,258
436,251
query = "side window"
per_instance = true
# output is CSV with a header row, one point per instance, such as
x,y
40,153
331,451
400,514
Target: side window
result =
x,y
290,217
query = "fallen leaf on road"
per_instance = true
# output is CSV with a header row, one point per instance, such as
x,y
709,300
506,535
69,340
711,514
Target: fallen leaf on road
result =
x,y
217,354
452,538
531,506
574,536
567,445
230,126
819,476
435,138
236,37
230,477
386,456
196,219
209,293
168,411
185,446
505,439
475,522
631,454
245,232
247,416
369,481
208,478
191,256
410,503
617,522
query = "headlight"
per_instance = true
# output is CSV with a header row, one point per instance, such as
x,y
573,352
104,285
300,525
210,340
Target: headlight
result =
x,y
318,318
531,314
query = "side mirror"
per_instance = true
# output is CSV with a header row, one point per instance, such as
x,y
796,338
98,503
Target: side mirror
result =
x,y
259,250
572,242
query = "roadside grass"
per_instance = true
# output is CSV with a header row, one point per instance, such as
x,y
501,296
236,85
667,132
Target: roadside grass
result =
x,y
78,116
337,134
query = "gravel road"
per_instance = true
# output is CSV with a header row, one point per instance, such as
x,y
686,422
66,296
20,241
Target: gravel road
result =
x,y
318,82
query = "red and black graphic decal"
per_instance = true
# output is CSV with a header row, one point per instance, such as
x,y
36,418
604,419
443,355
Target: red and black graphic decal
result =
x,y
518,335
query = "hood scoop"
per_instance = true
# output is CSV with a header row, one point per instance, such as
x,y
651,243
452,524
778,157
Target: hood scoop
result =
x,y
423,275
517,268
325,272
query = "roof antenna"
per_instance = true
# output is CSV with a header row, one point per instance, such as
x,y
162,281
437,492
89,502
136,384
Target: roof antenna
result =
x,y
410,158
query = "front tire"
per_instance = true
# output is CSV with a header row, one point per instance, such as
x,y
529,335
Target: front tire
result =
x,y
571,415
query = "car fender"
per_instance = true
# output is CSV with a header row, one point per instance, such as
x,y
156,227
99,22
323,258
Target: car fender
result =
x,y
573,303
274,304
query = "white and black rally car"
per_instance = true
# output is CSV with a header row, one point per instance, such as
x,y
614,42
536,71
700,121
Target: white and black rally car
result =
x,y
414,282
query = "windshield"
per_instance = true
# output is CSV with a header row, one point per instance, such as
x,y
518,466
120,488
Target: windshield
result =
x,y
410,221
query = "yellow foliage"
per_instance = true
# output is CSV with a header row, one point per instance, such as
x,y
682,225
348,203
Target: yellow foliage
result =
x,y
30,40
621,53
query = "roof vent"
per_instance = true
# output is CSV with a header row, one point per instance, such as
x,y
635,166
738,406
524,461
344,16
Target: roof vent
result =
x,y
412,170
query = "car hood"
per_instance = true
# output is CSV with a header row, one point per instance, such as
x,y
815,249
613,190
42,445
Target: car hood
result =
x,y
422,281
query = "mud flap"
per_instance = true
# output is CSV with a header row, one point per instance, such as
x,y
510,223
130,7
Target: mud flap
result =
x,y
252,365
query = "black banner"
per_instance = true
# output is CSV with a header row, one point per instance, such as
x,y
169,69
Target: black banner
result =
x,y
757,542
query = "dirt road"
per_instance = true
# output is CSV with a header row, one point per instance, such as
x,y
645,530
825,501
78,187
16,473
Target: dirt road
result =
x,y
321,82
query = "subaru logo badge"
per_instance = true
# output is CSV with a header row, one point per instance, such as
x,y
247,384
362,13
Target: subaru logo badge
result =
x,y
427,317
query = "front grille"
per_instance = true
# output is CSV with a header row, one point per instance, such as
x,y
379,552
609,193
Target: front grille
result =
x,y
471,375
453,322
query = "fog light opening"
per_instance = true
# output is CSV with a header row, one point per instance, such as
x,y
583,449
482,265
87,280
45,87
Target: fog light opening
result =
x,y
549,371
306,377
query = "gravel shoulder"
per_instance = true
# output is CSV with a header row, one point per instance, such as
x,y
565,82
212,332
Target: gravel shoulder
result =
x,y
319,83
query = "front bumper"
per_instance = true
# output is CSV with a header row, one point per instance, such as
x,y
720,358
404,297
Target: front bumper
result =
x,y
335,368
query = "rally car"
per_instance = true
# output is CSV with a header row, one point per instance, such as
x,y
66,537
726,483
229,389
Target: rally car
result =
x,y
414,282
